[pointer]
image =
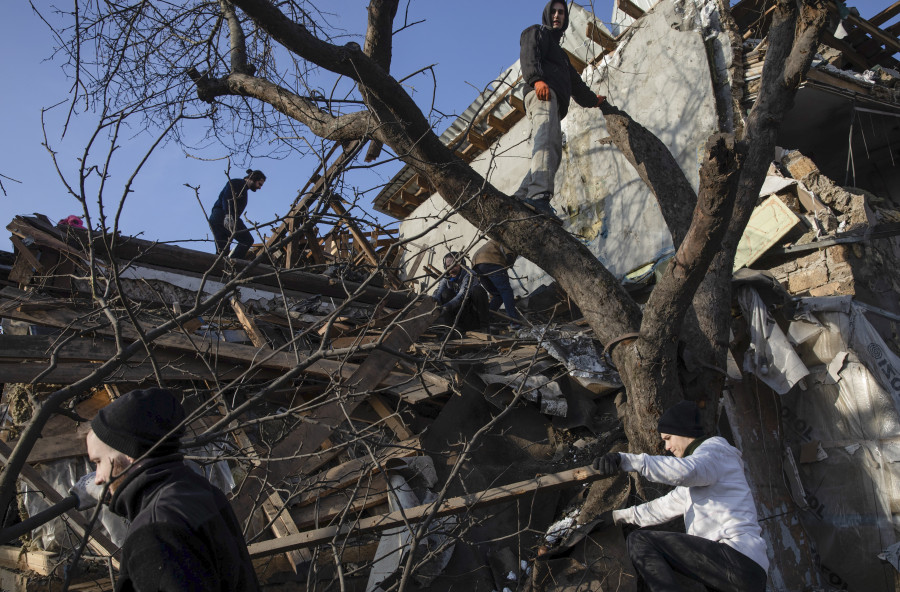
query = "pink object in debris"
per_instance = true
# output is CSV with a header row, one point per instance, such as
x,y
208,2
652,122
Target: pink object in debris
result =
x,y
71,221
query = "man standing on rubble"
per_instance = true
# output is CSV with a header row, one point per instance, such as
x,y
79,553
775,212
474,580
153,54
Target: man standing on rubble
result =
x,y
225,217
552,82
183,533
723,548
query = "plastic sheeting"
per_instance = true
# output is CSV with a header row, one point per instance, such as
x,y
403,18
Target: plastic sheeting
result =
x,y
852,494
770,355
434,549
53,535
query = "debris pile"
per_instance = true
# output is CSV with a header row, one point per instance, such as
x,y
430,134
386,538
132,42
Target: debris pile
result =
x,y
326,408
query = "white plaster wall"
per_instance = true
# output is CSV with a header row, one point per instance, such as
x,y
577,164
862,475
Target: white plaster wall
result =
x,y
660,75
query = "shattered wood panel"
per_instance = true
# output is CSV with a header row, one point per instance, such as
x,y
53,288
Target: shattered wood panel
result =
x,y
137,251
348,473
308,437
12,301
346,502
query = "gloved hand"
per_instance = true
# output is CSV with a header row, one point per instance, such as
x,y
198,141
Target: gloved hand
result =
x,y
542,90
606,519
608,464
600,100
229,223
87,491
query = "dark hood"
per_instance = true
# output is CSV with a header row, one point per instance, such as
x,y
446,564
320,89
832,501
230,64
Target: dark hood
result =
x,y
141,480
549,24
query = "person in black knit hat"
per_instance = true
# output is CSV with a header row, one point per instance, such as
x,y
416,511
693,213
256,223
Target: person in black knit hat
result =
x,y
722,548
183,533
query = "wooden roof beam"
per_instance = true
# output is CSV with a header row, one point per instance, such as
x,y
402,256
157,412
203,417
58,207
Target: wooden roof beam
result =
x,y
630,8
886,14
596,34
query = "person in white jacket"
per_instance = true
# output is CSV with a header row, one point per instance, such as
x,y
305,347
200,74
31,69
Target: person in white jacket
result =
x,y
722,548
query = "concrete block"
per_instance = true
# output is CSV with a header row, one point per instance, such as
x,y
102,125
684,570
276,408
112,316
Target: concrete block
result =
x,y
805,279
799,166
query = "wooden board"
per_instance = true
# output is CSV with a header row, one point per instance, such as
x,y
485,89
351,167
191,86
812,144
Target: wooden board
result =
x,y
309,436
11,306
456,505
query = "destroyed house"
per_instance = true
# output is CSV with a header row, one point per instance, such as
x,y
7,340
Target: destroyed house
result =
x,y
326,405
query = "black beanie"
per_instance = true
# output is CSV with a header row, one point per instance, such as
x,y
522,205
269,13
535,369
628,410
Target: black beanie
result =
x,y
137,420
681,419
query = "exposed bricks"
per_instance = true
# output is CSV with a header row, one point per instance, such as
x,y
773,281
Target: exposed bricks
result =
x,y
805,278
838,254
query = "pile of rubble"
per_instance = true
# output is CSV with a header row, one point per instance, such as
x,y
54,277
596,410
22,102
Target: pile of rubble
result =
x,y
311,399
363,449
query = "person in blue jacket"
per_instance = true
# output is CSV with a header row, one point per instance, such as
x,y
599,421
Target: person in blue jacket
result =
x,y
460,296
225,217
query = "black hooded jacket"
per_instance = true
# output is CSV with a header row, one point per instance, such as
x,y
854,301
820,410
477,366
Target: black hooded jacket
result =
x,y
183,536
542,58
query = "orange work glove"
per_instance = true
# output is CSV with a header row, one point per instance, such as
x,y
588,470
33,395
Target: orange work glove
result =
x,y
600,100
542,90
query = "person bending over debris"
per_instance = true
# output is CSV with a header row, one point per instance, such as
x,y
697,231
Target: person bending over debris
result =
x,y
723,548
183,533
225,217
491,263
552,81
462,300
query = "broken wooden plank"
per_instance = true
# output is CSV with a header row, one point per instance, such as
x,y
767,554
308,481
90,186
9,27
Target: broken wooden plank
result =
x,y
249,326
517,103
456,505
307,438
25,252
630,8
598,34
391,418
40,562
886,14
98,541
348,473
345,502
283,525
12,298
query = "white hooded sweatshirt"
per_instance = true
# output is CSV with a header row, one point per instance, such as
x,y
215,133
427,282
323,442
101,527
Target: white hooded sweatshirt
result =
x,y
711,493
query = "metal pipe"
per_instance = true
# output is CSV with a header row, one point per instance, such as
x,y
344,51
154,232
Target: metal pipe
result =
x,y
29,524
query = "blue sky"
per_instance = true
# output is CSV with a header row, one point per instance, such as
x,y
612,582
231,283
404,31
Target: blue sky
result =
x,y
470,42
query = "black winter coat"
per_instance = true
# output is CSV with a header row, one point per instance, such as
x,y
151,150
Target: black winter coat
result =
x,y
233,198
183,536
542,58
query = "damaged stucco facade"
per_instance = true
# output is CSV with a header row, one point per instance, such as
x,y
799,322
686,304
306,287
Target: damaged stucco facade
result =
x,y
598,194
